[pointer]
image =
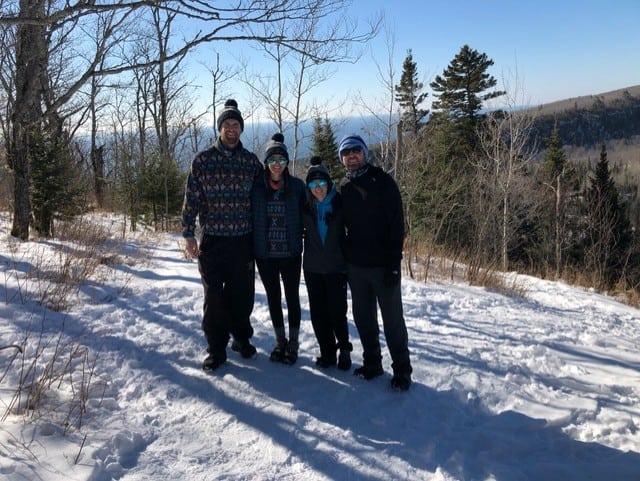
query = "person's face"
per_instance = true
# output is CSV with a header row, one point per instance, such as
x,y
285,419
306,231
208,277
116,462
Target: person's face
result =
x,y
276,165
319,189
352,158
230,131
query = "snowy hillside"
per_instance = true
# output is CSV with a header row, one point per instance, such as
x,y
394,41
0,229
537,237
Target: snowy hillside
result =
x,y
506,389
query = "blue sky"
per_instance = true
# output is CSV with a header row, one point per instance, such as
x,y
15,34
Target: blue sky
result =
x,y
550,50
559,49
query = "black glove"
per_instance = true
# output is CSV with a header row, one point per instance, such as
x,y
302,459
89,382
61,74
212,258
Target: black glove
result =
x,y
392,275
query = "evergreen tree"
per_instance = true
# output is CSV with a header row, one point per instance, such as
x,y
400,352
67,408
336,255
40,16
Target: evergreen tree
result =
x,y
464,85
57,189
460,93
609,232
409,95
325,146
556,175
555,160
159,183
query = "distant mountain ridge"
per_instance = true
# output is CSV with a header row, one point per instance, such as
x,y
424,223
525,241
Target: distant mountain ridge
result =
x,y
589,120
583,122
587,101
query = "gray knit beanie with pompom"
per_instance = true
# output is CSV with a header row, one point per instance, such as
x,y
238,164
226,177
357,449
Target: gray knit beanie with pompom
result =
x,y
276,146
230,111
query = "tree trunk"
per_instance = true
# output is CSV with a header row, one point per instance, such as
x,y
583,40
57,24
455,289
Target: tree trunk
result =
x,y
558,229
31,64
97,163
398,157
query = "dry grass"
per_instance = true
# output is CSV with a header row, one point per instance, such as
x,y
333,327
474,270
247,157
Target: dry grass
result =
x,y
429,264
46,371
55,375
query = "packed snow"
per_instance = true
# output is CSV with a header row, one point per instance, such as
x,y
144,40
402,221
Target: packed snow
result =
x,y
544,386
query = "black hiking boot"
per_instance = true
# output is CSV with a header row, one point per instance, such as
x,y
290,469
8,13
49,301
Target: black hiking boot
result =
x,y
291,353
344,360
368,372
325,362
401,381
245,348
278,353
213,362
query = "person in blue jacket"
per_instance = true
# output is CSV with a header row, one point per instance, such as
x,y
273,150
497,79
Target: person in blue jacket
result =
x,y
374,238
277,203
324,267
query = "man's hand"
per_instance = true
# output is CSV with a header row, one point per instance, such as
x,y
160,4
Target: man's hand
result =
x,y
191,245
392,275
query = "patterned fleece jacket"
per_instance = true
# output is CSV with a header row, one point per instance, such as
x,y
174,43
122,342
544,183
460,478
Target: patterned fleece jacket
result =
x,y
218,191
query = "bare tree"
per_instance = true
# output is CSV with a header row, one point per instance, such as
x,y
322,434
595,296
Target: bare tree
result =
x,y
7,79
219,77
383,109
557,175
37,21
431,192
502,172
171,106
124,149
27,111
97,105
301,68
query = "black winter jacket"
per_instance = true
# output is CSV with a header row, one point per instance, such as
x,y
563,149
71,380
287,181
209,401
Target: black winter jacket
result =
x,y
324,258
374,219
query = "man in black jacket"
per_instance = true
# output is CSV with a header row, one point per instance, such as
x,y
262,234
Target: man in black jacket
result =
x,y
374,225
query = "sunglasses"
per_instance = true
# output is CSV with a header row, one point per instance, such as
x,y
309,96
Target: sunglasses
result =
x,y
352,150
317,183
272,161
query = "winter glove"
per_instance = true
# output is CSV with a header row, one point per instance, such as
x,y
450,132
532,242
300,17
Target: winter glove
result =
x,y
392,275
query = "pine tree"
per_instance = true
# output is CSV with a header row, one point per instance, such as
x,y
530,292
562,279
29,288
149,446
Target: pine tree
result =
x,y
156,176
464,85
609,232
555,160
455,114
555,175
409,94
460,94
326,147
57,188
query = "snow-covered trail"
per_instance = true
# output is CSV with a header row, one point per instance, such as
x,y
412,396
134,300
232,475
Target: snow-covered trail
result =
x,y
507,389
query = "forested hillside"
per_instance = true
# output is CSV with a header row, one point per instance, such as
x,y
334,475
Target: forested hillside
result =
x,y
588,121
550,190
585,123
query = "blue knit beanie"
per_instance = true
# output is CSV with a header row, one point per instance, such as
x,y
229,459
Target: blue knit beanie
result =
x,y
354,140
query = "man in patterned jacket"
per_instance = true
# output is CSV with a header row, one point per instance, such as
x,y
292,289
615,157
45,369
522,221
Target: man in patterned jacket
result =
x,y
218,195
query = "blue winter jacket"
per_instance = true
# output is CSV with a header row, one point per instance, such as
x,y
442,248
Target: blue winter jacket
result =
x,y
294,196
